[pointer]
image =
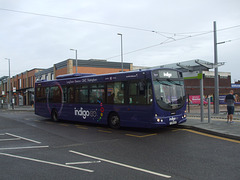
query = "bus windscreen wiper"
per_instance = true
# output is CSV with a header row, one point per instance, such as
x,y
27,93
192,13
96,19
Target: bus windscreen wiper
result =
x,y
173,82
161,82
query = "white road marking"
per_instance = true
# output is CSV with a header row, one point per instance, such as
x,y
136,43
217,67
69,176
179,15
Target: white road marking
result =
x,y
37,142
28,147
45,162
12,139
84,162
121,164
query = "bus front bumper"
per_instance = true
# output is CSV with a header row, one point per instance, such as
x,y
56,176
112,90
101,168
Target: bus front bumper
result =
x,y
169,120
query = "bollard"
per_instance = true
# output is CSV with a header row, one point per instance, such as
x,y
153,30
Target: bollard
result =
x,y
209,110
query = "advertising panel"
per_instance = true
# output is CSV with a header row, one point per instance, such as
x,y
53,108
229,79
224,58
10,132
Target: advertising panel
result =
x,y
195,99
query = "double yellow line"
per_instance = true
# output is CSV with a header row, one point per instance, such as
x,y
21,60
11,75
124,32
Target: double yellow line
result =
x,y
212,136
191,131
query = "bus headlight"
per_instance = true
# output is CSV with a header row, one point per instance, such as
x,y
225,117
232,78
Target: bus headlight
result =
x,y
159,120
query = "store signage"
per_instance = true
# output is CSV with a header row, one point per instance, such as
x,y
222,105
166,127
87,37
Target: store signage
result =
x,y
235,85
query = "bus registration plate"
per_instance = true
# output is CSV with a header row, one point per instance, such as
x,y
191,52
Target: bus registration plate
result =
x,y
173,122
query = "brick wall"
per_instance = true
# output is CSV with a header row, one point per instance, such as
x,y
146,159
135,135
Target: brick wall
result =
x,y
96,70
193,86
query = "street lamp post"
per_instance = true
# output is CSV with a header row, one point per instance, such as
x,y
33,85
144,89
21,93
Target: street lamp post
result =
x,y
9,86
216,88
121,50
216,91
76,59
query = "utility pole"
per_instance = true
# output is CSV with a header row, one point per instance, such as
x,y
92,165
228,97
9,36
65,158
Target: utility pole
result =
x,y
216,91
121,50
9,86
76,59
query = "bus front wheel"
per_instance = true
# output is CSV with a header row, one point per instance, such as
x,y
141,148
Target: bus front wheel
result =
x,y
114,121
54,115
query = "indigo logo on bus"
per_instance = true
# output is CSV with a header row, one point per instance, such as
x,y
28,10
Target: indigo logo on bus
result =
x,y
92,113
85,113
167,74
81,112
172,118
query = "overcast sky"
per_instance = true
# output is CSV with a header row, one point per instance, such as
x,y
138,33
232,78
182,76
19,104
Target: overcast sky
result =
x,y
39,33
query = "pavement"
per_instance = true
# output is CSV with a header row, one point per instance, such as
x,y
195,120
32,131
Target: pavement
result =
x,y
217,126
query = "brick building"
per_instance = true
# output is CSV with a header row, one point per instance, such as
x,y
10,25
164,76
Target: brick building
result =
x,y
3,89
22,85
84,66
193,85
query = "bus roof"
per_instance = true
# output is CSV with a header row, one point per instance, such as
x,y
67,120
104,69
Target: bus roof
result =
x,y
66,76
89,75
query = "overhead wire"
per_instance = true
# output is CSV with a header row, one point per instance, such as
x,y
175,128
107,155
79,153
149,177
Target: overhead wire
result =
x,y
236,39
159,44
170,39
223,29
75,19
100,23
186,37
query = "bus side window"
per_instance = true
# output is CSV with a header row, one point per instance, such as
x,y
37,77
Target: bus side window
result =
x,y
41,95
81,94
132,92
149,93
64,98
93,96
77,94
97,93
45,94
115,93
55,95
70,96
140,92
110,93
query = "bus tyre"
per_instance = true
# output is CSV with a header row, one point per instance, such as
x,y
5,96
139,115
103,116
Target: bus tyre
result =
x,y
114,121
54,115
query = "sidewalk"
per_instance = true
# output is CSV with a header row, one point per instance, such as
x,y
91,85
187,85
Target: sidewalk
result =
x,y
19,108
218,124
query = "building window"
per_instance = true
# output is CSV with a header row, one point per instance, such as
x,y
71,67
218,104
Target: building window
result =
x,y
20,83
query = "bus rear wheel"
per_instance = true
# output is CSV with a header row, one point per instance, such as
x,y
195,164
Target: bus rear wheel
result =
x,y
54,115
114,121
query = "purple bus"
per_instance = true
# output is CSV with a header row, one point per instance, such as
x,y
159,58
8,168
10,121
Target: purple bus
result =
x,y
146,98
